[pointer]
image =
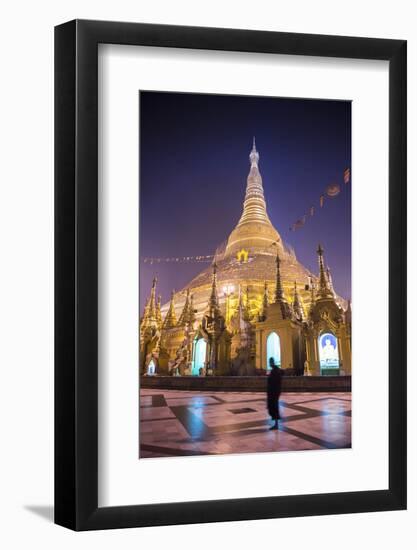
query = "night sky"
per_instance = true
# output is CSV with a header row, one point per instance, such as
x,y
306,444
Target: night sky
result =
x,y
194,161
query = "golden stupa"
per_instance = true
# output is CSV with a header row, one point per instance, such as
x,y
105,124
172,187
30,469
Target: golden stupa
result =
x,y
247,264
255,304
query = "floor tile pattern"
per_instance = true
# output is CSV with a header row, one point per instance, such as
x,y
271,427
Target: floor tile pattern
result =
x,y
187,423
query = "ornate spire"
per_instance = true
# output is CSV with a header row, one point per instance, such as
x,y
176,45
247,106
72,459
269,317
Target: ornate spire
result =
x,y
241,311
191,312
185,310
254,230
170,318
145,317
297,305
330,280
152,300
312,291
254,206
149,318
158,311
265,302
324,289
279,294
254,155
213,303
240,318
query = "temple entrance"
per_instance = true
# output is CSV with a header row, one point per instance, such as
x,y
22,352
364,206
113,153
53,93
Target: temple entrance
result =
x,y
151,368
273,349
200,350
328,354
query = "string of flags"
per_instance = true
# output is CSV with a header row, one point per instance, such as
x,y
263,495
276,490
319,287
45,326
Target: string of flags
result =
x,y
184,259
331,192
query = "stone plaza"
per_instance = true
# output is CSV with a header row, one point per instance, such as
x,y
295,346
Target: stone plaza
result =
x,y
190,423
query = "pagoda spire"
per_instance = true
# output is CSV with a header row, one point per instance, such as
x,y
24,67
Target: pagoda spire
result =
x,y
279,293
191,312
330,280
254,206
254,155
145,317
213,304
185,310
297,305
254,230
145,314
149,318
242,312
152,300
312,290
158,311
265,302
324,289
170,318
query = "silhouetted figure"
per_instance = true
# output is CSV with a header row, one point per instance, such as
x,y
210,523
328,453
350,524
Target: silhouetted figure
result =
x,y
274,390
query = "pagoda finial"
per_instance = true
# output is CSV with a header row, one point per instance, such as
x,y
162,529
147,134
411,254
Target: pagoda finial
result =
x,y
254,155
170,318
324,289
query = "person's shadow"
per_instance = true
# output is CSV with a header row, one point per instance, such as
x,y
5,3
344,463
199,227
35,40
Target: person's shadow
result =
x,y
45,512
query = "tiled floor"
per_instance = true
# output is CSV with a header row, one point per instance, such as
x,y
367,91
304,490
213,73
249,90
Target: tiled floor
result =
x,y
181,423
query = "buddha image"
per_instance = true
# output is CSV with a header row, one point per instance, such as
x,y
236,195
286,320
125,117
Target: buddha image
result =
x,y
328,352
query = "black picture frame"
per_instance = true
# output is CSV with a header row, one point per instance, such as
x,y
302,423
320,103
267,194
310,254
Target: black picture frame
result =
x,y
76,272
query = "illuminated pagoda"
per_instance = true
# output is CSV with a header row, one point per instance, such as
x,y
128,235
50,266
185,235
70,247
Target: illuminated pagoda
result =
x,y
255,302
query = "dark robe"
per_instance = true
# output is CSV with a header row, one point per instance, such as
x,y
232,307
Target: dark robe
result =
x,y
273,391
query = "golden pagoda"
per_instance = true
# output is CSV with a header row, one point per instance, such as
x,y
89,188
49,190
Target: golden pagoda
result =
x,y
223,312
248,260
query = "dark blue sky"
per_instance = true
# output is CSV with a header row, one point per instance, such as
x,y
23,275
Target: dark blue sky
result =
x,y
194,163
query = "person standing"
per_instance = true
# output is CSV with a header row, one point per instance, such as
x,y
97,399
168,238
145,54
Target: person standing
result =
x,y
273,392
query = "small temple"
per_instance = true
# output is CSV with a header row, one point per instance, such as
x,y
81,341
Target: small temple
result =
x,y
255,302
